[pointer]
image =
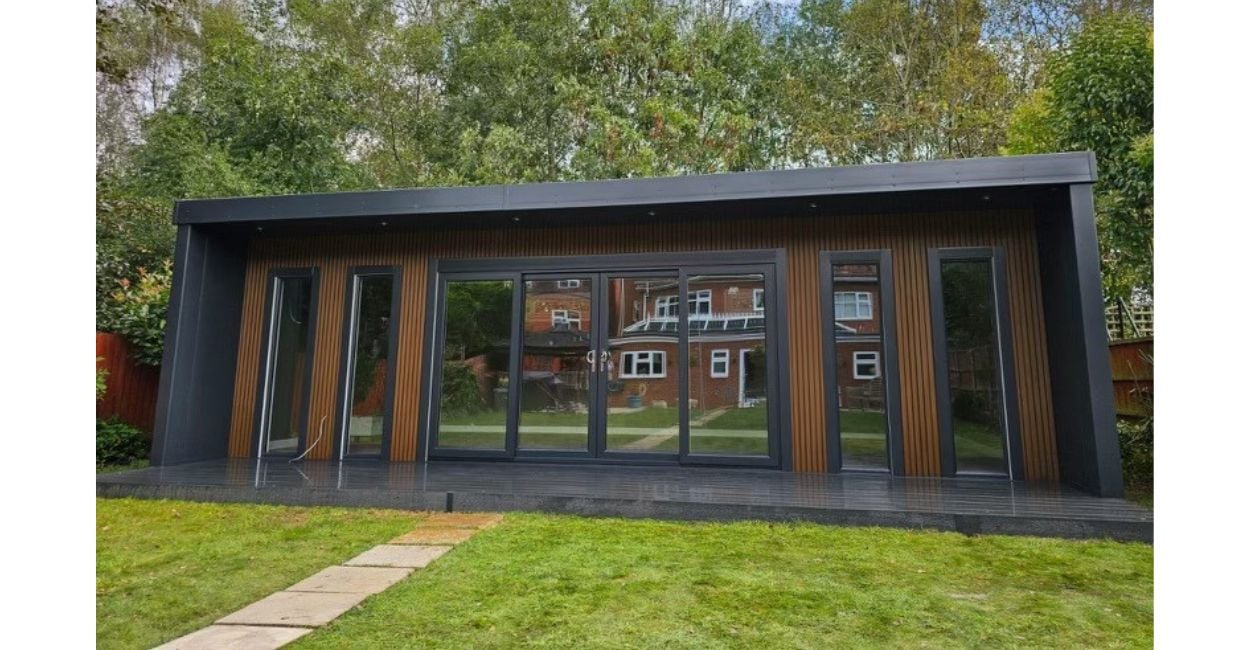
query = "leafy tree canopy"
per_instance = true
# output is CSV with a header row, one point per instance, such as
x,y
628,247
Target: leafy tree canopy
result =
x,y
200,98
1099,96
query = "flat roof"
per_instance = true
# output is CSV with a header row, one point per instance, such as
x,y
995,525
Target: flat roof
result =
x,y
968,173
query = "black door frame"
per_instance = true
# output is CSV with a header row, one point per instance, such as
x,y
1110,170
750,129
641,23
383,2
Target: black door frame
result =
x,y
351,327
1010,421
599,434
260,425
889,367
770,262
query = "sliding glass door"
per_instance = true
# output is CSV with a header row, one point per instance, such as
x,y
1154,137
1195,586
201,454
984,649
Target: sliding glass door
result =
x,y
659,363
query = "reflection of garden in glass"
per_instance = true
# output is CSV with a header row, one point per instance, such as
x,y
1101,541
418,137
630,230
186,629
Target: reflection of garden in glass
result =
x,y
969,315
366,423
288,358
474,385
858,313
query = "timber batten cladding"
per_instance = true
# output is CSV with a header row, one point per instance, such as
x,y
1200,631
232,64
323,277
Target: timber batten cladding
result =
x,y
909,237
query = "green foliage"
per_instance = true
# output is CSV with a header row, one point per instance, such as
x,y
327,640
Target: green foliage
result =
x,y
101,381
137,311
201,98
482,314
118,443
132,233
1100,97
1137,443
460,390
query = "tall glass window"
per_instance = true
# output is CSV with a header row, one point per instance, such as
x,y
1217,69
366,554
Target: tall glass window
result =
x,y
860,355
557,359
369,364
473,403
973,369
728,405
287,363
641,373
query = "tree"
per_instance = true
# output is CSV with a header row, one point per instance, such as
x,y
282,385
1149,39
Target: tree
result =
x,y
1099,96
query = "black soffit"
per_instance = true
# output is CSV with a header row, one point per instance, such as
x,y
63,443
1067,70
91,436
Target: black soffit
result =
x,y
633,199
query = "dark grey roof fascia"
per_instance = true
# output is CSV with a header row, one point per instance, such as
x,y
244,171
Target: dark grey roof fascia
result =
x,y
1004,171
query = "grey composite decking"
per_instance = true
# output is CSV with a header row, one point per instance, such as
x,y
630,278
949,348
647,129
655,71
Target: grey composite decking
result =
x,y
973,506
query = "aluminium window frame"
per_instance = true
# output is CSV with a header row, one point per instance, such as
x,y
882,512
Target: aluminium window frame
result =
x,y
883,259
875,361
1004,355
632,365
770,262
712,361
856,300
260,425
347,369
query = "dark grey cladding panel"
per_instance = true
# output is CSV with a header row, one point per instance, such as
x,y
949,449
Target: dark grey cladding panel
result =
x,y
1008,171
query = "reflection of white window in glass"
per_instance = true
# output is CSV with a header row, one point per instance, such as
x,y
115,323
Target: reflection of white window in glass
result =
x,y
570,317
700,303
720,363
852,305
757,299
641,365
867,365
568,284
666,307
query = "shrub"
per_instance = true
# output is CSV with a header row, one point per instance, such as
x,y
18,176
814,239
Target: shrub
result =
x,y
137,310
101,381
118,443
1137,450
460,391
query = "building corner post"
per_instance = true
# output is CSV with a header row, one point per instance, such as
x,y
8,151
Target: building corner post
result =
x,y
1104,441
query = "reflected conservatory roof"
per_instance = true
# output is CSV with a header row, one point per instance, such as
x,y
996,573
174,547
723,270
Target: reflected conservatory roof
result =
x,y
731,322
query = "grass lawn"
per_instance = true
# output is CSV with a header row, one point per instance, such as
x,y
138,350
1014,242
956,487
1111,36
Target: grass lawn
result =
x,y
559,581
138,463
166,568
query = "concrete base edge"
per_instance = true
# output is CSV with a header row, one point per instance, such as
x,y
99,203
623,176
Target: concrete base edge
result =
x,y
1134,531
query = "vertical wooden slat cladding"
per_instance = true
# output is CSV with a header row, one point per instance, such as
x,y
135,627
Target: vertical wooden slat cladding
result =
x,y
908,236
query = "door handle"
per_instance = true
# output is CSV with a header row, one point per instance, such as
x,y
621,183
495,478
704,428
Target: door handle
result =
x,y
590,358
605,357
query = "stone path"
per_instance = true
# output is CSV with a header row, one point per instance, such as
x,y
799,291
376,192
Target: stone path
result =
x,y
660,437
287,615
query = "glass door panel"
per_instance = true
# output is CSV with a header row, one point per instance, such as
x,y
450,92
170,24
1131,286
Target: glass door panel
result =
x,y
369,364
558,351
641,378
473,404
287,364
728,368
860,359
974,391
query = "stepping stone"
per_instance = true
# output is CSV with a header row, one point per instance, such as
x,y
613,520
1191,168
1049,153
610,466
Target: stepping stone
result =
x,y
236,637
435,535
351,580
294,608
464,519
398,555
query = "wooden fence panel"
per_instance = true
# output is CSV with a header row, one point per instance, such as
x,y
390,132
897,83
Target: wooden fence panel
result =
x,y
131,392
1133,376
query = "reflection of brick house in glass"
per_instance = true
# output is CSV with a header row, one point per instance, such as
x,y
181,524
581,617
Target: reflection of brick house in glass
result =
x,y
857,334
726,324
557,335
